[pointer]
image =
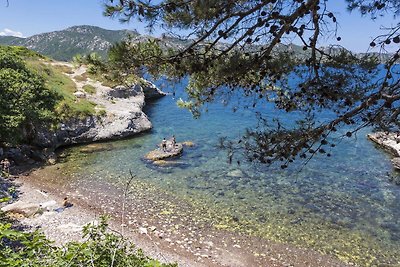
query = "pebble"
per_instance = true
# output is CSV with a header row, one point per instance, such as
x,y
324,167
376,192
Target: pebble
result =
x,y
143,230
236,246
209,243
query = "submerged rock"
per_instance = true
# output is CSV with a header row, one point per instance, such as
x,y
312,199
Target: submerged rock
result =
x,y
235,173
188,144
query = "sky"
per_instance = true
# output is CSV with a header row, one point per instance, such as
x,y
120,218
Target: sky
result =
x,y
24,18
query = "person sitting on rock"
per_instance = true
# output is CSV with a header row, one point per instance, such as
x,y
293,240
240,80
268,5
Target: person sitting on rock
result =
x,y
164,144
6,165
66,203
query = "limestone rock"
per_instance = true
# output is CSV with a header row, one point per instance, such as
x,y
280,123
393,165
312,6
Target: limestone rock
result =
x,y
24,209
396,163
79,94
122,116
143,230
151,91
389,141
188,144
158,154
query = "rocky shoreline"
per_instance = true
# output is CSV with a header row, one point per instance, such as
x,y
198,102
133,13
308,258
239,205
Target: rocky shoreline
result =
x,y
122,115
152,222
390,142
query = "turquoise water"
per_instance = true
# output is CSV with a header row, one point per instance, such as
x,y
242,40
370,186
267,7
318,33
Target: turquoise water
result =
x,y
344,205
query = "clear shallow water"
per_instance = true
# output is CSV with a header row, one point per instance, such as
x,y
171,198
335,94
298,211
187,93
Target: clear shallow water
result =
x,y
344,205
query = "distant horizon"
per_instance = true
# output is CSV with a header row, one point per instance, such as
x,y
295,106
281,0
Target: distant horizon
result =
x,y
43,16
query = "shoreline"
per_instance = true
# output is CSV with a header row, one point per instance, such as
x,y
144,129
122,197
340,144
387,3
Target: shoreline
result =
x,y
151,225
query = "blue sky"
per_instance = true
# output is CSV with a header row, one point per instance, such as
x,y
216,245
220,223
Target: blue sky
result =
x,y
29,17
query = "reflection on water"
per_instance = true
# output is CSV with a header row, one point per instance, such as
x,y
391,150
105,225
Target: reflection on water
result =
x,y
343,205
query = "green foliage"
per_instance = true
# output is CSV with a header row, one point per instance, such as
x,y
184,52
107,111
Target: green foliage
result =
x,y
90,89
68,106
25,101
115,71
100,248
22,52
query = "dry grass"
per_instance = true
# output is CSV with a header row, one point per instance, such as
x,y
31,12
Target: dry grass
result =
x,y
63,68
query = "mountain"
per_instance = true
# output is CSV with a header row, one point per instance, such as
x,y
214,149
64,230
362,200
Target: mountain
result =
x,y
64,44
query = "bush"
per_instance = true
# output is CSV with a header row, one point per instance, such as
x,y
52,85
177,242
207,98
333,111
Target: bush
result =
x,y
25,101
90,89
100,248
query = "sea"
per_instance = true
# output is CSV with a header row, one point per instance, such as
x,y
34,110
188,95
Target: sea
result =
x,y
346,205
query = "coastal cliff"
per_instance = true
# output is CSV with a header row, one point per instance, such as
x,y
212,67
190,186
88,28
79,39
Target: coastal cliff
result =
x,y
117,114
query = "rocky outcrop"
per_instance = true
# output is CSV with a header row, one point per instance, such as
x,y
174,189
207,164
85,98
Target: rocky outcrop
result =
x,y
118,115
95,128
160,154
396,163
390,142
121,115
150,90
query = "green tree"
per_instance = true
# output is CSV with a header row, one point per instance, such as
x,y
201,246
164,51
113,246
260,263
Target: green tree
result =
x,y
25,102
245,47
100,248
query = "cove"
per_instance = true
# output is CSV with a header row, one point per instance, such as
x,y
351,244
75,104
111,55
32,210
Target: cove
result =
x,y
344,205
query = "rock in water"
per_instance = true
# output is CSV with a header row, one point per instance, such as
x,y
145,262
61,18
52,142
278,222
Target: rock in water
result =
x,y
396,163
159,154
389,141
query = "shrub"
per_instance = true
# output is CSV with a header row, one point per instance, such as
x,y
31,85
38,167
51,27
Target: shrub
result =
x,y
100,248
90,89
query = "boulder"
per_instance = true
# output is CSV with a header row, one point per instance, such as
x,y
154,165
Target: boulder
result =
x,y
389,141
150,90
158,154
94,128
122,92
188,144
79,94
22,208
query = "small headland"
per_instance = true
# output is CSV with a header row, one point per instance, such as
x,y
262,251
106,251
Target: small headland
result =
x,y
390,142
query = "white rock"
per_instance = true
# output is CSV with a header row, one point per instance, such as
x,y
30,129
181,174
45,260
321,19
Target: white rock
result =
x,y
26,209
142,230
49,204
79,94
